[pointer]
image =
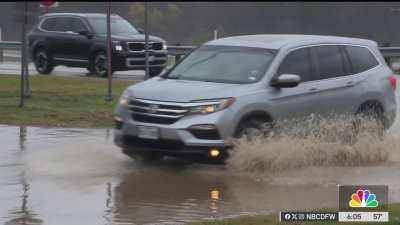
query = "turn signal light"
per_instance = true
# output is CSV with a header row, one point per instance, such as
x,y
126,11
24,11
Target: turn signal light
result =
x,y
117,118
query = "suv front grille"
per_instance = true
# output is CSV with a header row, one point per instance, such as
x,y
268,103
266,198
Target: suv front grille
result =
x,y
147,111
140,46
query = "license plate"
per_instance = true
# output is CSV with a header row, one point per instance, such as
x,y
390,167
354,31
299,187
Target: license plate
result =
x,y
148,132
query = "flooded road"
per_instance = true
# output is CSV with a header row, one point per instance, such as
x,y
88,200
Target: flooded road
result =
x,y
67,176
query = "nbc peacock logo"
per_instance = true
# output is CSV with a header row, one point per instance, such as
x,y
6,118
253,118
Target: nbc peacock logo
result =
x,y
363,198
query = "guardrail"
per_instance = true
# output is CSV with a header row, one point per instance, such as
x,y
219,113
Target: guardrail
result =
x,y
10,45
390,52
172,50
178,51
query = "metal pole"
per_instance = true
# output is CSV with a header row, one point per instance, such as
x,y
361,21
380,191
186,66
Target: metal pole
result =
x,y
27,88
23,59
109,95
146,41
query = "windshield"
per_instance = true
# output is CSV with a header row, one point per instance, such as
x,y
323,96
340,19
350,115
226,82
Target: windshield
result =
x,y
223,64
118,26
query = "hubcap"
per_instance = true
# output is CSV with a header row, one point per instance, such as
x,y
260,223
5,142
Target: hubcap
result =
x,y
100,65
41,61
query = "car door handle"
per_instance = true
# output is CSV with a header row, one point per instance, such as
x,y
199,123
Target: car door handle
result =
x,y
313,90
350,83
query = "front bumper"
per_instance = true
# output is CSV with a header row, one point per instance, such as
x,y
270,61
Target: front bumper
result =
x,y
125,60
174,139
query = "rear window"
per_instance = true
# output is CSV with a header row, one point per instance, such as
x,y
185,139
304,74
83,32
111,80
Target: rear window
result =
x,y
47,24
361,59
329,61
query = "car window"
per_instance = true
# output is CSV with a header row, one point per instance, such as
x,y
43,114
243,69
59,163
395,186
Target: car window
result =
x,y
361,59
118,26
223,64
329,61
297,62
62,24
47,24
77,24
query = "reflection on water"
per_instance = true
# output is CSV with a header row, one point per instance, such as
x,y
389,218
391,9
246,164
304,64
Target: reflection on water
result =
x,y
214,202
22,137
23,215
63,176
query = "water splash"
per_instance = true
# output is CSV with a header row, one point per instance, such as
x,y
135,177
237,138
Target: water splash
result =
x,y
315,142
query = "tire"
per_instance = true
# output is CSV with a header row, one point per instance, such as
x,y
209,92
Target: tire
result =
x,y
154,72
91,70
43,61
251,129
99,64
371,120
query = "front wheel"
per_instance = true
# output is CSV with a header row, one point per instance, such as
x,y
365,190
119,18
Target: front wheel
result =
x,y
251,129
99,65
43,61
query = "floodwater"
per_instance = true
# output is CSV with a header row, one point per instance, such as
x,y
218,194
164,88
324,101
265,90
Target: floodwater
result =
x,y
70,176
77,176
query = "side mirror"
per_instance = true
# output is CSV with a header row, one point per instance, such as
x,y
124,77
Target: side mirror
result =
x,y
286,81
141,31
83,32
86,33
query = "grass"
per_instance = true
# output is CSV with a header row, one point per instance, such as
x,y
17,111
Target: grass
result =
x,y
394,219
59,101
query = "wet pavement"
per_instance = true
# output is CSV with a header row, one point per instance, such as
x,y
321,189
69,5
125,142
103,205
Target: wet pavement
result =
x,y
14,68
77,176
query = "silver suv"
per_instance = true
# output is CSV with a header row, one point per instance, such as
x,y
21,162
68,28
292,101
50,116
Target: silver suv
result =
x,y
229,87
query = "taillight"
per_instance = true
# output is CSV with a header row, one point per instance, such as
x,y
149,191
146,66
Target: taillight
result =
x,y
393,81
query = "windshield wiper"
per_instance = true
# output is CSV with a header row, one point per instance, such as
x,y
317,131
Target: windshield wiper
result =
x,y
173,78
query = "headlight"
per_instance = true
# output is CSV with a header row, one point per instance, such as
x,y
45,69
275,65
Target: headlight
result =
x,y
117,45
164,46
211,106
124,99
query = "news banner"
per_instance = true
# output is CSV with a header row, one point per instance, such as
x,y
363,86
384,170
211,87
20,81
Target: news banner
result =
x,y
363,203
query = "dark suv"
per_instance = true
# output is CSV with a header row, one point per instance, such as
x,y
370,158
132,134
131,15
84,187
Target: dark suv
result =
x,y
79,40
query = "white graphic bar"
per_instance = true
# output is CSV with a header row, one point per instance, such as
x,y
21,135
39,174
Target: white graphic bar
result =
x,y
363,216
